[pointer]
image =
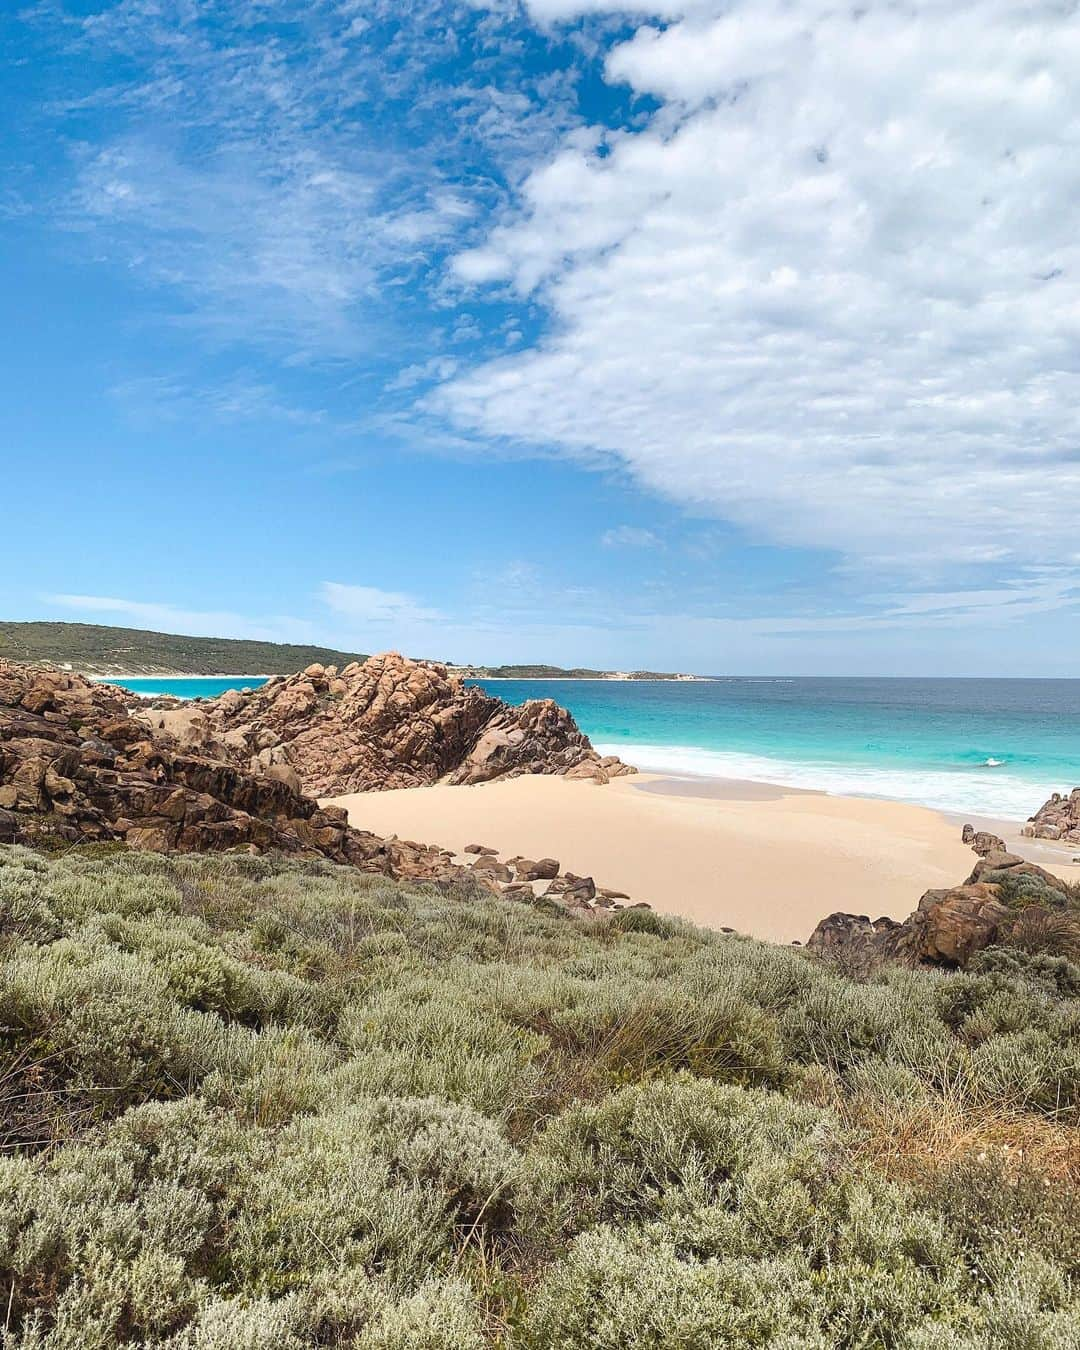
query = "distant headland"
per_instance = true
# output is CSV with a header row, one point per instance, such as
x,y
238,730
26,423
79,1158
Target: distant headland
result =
x,y
100,649
559,673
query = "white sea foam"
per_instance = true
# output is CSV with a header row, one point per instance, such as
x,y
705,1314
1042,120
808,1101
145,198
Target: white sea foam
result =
x,y
1004,796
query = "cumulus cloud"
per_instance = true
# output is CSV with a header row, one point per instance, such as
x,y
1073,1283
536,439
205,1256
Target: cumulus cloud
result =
x,y
830,291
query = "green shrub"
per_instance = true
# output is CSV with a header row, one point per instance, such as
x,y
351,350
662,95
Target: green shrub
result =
x,y
635,1153
1055,974
637,920
247,1102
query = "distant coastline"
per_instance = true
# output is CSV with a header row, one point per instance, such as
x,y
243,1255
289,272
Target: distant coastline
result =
x,y
556,673
586,679
133,653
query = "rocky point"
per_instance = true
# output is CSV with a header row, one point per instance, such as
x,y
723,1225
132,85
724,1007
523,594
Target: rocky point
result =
x,y
1003,895
387,722
79,765
1059,818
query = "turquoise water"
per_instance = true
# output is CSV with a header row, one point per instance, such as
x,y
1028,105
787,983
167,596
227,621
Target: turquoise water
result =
x,y
984,747
204,687
987,747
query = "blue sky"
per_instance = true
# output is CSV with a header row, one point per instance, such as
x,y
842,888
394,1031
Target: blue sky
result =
x,y
727,335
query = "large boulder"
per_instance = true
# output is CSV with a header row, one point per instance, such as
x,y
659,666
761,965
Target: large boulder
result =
x,y
1057,819
389,722
950,925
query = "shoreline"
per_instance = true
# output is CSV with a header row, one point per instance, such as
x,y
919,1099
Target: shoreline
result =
x,y
754,857
1003,811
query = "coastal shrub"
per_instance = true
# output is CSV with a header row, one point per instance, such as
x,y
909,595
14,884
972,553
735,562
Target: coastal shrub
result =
x,y
428,1036
254,1102
25,913
840,1024
1018,890
645,1287
646,1148
328,1186
1030,1069
715,1034
639,920
1057,975
1001,1208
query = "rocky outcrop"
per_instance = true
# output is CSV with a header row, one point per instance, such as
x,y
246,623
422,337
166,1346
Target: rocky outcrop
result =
x,y
949,926
76,768
1059,818
387,722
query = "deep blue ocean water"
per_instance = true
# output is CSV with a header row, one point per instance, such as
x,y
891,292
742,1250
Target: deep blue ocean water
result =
x,y
984,747
988,747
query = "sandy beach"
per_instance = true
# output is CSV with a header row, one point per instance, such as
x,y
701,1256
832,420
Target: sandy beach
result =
x,y
765,860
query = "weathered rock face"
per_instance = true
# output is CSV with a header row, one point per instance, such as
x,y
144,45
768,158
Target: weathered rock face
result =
x,y
948,927
75,766
387,722
1059,818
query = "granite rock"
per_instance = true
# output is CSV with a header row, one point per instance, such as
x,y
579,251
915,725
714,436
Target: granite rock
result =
x,y
389,722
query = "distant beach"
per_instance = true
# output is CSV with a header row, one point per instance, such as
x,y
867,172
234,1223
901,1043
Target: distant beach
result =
x,y
182,686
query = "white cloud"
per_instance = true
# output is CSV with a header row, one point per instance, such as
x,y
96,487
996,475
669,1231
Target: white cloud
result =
x,y
630,536
831,292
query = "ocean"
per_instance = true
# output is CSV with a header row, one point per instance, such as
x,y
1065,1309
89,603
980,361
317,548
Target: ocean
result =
x,y
203,686
993,748
985,747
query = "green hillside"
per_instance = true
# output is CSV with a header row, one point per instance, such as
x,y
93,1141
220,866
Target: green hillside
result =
x,y
98,649
250,1104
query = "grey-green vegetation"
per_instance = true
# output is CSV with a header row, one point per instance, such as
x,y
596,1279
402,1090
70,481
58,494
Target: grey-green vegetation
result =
x,y
99,649
251,1104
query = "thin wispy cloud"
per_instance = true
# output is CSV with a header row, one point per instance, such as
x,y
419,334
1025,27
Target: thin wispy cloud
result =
x,y
165,617
630,536
286,187
152,399
366,605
